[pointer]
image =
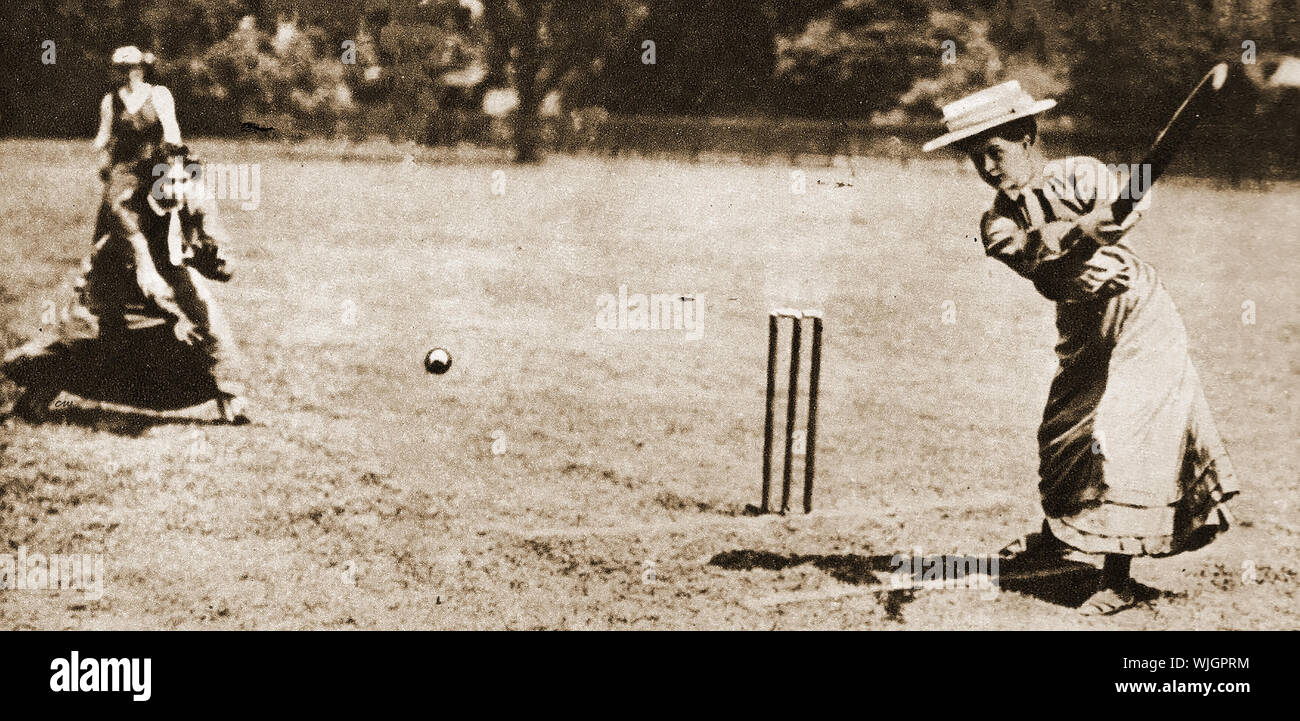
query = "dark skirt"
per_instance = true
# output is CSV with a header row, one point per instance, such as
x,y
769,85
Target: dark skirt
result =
x,y
122,203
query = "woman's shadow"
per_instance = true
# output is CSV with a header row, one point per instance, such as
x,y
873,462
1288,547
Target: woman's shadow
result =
x,y
121,421
1065,582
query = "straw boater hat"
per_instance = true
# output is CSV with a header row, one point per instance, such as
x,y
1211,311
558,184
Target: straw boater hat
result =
x,y
131,55
986,109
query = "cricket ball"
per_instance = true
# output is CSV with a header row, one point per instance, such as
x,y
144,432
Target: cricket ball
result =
x,y
437,361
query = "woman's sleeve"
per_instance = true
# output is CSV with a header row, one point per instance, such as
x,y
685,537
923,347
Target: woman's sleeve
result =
x,y
105,122
1091,181
205,212
1029,252
166,107
1058,244
151,283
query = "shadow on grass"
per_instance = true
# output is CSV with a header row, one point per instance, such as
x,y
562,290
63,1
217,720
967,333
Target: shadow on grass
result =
x,y
844,567
1064,583
131,424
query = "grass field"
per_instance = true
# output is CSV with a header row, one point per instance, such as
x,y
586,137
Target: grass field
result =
x,y
367,493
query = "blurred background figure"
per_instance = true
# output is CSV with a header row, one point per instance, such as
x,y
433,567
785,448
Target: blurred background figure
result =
x,y
135,119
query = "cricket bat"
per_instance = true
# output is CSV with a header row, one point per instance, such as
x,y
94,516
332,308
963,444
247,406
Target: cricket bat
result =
x,y
1197,104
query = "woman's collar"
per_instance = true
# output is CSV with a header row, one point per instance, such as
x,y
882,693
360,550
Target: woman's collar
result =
x,y
1035,181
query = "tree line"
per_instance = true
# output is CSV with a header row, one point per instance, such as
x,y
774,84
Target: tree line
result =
x,y
429,69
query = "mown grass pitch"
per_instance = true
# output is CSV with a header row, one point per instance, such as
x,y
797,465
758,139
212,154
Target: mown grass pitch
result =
x,y
564,475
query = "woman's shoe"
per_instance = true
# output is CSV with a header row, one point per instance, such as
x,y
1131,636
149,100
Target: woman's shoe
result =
x,y
233,410
1109,601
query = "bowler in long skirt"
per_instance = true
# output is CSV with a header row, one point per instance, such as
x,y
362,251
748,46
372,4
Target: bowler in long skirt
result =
x,y
1130,462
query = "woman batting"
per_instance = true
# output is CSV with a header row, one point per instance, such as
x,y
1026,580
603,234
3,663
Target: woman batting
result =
x,y
1130,462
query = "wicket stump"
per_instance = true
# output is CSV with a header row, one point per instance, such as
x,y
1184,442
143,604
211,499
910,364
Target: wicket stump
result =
x,y
814,378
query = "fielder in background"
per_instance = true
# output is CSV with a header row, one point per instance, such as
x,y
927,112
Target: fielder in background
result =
x,y
1130,462
145,329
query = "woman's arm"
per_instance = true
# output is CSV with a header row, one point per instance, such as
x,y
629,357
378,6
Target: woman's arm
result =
x,y
105,129
1029,251
156,289
105,122
166,107
1099,186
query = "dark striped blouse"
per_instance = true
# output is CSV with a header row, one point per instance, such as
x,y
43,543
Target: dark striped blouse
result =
x,y
1036,233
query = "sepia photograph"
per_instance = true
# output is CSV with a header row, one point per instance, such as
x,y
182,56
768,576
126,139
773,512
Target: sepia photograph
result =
x,y
618,315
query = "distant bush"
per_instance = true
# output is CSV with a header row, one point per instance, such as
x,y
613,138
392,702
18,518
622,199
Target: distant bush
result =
x,y
267,78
